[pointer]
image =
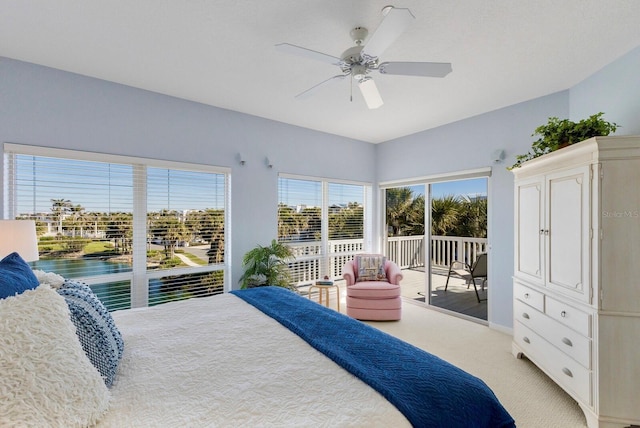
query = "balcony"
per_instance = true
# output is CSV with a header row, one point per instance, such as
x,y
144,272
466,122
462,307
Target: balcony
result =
x,y
408,253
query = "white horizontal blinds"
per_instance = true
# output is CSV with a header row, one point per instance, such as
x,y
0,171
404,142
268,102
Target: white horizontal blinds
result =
x,y
323,222
300,225
299,209
95,212
185,228
83,213
346,224
346,211
185,286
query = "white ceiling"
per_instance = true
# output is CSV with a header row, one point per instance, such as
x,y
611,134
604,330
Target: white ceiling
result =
x,y
221,53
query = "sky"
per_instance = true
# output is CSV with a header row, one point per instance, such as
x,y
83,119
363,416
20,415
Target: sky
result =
x,y
104,187
294,192
108,188
472,187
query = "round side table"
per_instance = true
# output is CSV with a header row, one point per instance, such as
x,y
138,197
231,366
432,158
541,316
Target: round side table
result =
x,y
323,292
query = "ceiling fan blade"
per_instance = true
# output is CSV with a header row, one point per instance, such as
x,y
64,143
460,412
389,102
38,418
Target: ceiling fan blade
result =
x,y
425,69
370,93
309,92
308,53
394,24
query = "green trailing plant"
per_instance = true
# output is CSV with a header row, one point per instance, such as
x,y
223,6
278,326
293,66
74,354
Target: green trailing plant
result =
x,y
557,133
267,265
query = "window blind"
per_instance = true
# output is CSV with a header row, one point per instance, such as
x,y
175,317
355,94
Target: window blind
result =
x,y
136,233
185,227
323,223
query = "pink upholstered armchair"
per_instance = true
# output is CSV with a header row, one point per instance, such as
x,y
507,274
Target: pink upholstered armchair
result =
x,y
376,295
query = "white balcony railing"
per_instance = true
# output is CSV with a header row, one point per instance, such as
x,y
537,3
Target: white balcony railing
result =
x,y
312,262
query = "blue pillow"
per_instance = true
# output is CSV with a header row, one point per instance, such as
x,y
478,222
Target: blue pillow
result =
x,y
16,276
95,328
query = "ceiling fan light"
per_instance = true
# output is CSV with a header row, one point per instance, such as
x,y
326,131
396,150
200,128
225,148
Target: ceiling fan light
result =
x,y
370,93
359,72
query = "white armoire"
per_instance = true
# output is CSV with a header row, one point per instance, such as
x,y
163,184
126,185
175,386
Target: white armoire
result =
x,y
576,283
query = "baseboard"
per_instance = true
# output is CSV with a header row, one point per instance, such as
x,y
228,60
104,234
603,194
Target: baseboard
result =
x,y
501,328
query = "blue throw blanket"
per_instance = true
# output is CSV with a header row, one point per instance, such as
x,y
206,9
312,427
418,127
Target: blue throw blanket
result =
x,y
429,391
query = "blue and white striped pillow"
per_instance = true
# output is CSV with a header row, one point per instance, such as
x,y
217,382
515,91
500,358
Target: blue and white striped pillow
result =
x,y
96,330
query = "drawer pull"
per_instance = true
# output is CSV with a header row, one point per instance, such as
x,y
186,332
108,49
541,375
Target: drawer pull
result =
x,y
563,314
526,339
525,315
567,372
526,295
567,341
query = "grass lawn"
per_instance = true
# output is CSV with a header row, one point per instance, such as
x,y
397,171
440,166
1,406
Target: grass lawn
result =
x,y
97,247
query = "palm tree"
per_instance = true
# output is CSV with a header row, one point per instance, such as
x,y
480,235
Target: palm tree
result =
x,y
211,224
445,212
416,217
311,218
473,218
119,227
287,222
77,218
399,206
347,222
59,207
168,227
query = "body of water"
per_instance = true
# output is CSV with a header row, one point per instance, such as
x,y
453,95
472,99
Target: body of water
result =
x,y
114,295
78,268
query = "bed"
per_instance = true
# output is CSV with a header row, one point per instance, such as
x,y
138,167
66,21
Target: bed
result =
x,y
256,357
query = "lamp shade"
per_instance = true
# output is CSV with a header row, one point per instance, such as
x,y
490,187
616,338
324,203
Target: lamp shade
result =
x,y
19,236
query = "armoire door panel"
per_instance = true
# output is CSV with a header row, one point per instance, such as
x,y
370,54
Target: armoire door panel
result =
x,y
567,219
529,257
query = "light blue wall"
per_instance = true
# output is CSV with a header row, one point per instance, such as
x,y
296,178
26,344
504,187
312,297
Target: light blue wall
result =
x,y
467,145
614,90
51,108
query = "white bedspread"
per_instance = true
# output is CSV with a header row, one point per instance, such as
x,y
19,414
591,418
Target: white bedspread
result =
x,y
218,361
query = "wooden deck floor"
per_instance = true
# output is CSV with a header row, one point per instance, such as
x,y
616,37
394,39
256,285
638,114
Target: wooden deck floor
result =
x,y
457,298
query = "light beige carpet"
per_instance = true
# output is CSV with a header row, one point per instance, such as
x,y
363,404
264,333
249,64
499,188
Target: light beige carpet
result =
x,y
529,395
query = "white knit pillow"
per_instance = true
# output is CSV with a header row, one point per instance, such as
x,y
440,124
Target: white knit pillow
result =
x,y
51,278
45,377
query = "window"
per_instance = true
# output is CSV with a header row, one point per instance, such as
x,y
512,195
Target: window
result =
x,y
139,232
323,222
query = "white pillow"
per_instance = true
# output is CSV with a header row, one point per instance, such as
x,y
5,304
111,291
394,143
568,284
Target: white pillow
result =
x,y
51,278
45,377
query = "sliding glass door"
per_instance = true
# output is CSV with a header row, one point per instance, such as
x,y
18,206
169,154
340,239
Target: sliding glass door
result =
x,y
439,248
405,236
457,244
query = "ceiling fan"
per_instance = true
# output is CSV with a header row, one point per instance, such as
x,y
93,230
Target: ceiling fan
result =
x,y
359,61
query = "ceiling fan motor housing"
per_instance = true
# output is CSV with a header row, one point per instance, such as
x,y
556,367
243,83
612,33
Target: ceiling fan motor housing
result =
x,y
352,55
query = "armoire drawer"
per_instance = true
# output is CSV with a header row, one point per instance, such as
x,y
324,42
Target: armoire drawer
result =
x,y
568,373
568,315
529,296
566,340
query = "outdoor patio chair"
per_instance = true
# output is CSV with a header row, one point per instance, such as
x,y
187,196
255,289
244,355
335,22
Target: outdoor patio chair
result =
x,y
373,288
470,273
